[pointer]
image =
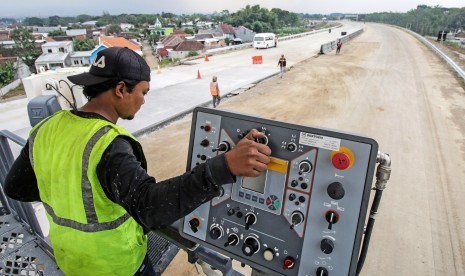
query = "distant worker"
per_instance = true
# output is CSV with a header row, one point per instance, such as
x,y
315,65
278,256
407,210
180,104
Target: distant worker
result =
x,y
91,174
329,30
215,91
339,45
282,65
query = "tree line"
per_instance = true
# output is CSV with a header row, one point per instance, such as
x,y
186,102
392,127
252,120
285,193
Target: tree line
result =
x,y
424,20
253,17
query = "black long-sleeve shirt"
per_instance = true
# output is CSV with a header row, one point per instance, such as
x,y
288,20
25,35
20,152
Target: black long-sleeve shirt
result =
x,y
126,182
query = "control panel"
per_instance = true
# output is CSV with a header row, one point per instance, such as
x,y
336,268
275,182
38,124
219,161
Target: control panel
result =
x,y
304,215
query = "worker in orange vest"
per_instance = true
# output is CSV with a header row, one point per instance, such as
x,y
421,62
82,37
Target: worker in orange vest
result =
x,y
215,91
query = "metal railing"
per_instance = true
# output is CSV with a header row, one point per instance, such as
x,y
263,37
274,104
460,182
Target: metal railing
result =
x,y
441,54
23,212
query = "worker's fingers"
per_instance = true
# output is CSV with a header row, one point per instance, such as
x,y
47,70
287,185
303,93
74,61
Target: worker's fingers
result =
x,y
253,134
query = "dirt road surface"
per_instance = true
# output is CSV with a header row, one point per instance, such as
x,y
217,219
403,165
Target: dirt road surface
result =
x,y
390,87
150,58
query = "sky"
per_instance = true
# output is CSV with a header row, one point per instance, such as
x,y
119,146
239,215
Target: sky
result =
x,y
45,8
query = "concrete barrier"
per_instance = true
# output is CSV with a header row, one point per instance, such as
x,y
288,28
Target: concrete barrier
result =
x,y
228,49
7,88
328,47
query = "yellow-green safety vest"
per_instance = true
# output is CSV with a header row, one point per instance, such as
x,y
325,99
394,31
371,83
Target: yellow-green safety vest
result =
x,y
90,234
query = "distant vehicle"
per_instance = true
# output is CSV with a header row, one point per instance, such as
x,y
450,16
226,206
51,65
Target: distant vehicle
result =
x,y
265,40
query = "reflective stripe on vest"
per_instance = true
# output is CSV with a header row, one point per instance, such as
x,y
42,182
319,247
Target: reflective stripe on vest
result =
x,y
89,227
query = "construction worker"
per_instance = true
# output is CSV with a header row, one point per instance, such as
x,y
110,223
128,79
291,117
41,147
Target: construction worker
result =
x,y
282,65
91,176
339,46
215,91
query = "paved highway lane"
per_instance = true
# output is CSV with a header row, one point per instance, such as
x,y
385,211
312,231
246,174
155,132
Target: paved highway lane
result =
x,y
177,88
388,86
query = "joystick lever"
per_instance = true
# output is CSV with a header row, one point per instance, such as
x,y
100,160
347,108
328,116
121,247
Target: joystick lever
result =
x,y
223,146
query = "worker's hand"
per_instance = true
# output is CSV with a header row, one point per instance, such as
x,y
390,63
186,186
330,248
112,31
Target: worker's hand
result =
x,y
248,158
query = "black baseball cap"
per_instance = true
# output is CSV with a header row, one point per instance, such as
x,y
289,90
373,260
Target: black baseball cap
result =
x,y
114,63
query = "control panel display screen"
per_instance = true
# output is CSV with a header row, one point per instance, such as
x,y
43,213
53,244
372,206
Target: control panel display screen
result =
x,y
256,184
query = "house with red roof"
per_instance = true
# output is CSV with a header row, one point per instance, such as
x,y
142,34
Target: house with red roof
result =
x,y
184,48
227,31
109,41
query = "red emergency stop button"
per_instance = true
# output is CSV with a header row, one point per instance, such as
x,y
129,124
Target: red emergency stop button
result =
x,y
342,159
289,263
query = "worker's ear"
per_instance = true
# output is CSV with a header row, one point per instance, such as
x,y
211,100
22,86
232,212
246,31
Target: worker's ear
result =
x,y
119,89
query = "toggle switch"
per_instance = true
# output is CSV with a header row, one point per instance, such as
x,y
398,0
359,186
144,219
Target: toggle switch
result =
x,y
205,143
262,140
291,147
223,147
296,218
305,166
216,232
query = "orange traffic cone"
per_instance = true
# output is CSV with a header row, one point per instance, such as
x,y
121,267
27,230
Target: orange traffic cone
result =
x,y
158,69
198,74
206,57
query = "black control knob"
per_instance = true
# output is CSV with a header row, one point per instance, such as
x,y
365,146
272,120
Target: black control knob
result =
x,y
194,224
216,233
250,246
292,197
327,246
233,239
205,143
291,147
331,217
321,271
336,190
305,166
296,218
250,219
223,147
294,183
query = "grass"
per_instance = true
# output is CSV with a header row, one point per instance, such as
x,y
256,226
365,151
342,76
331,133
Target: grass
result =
x,y
18,91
